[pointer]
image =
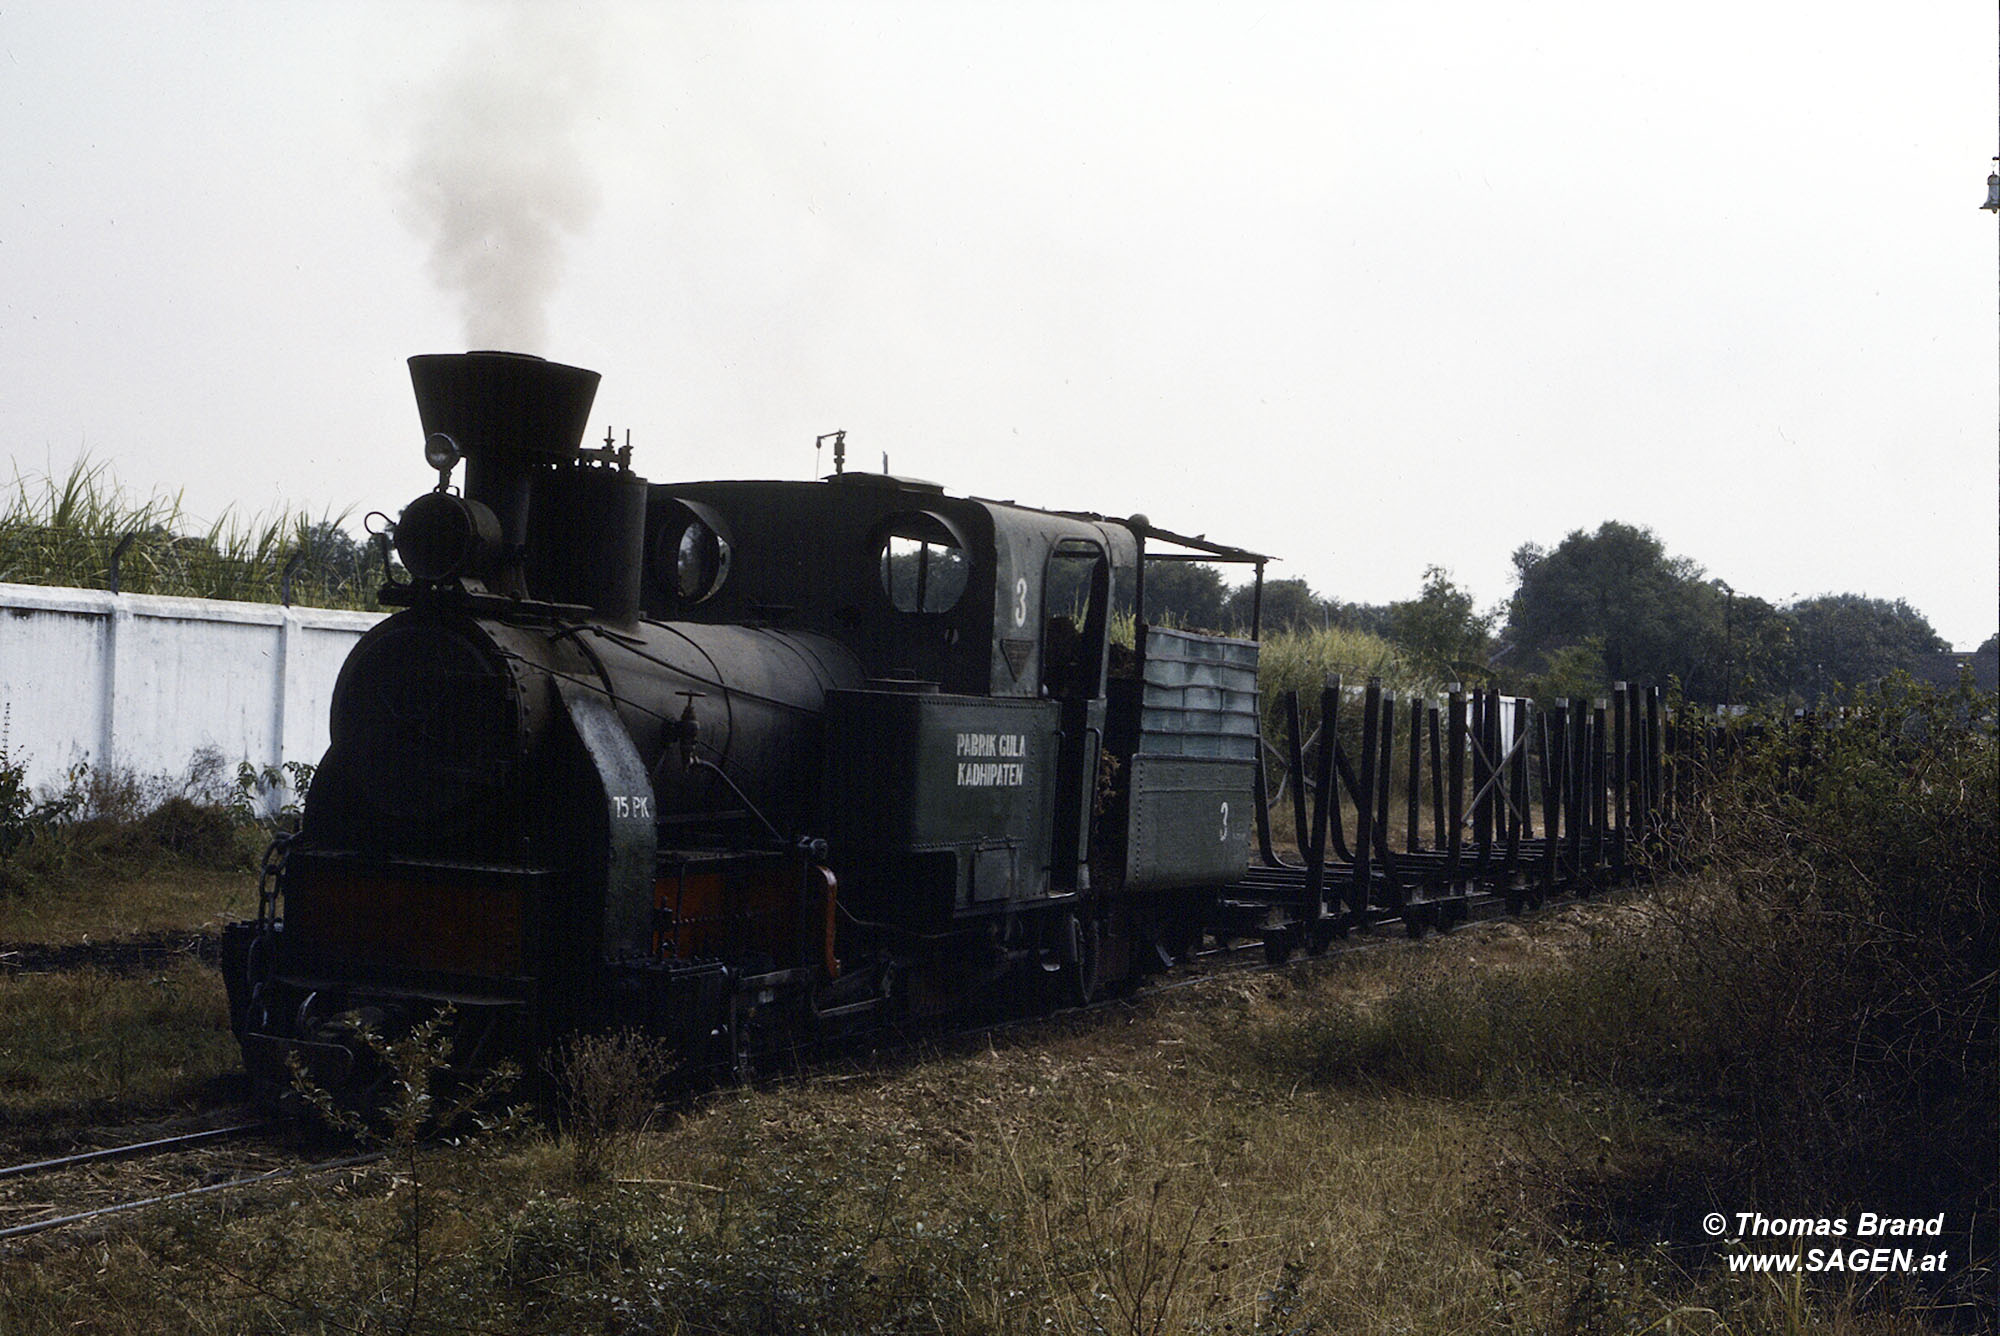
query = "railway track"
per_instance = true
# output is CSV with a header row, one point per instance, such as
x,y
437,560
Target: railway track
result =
x,y
49,1222
156,1146
61,1192
43,1194
136,954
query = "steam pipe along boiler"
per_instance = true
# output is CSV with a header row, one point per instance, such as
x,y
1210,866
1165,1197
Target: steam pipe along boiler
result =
x,y
726,761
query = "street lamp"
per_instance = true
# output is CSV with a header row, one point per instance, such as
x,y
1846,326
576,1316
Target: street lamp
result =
x,y
1728,641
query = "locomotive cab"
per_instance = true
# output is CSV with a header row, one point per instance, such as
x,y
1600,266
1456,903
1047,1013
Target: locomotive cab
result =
x,y
1006,774
982,630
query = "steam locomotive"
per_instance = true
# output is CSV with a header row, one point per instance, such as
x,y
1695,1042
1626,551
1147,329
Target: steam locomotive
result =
x,y
727,760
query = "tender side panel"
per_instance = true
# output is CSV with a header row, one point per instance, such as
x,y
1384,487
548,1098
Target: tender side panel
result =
x,y
1191,822
1194,766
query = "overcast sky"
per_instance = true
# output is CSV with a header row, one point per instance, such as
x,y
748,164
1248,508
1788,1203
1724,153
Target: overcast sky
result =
x,y
1366,285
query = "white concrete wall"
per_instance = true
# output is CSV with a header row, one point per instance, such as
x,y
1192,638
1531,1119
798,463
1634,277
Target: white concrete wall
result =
x,y
142,682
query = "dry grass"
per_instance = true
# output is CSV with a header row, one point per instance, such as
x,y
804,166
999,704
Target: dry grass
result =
x,y
1178,1167
84,1044
169,896
113,853
1514,1127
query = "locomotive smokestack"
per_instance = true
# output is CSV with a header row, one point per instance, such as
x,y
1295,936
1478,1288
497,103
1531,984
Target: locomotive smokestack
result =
x,y
508,414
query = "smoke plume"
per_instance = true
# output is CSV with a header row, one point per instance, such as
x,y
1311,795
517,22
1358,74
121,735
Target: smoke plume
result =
x,y
497,178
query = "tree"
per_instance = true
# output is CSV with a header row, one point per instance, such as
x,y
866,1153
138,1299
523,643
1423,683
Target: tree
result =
x,y
1373,618
1291,605
1185,593
1746,660
1288,605
1652,615
1849,639
1568,673
1439,629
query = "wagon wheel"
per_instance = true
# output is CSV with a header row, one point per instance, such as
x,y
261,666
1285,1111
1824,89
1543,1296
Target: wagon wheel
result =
x,y
1174,935
1419,919
1320,933
1083,963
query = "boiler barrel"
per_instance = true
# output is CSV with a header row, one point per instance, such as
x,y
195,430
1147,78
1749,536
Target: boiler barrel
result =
x,y
758,698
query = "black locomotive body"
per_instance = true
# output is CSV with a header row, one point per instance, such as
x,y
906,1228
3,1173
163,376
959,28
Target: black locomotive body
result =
x,y
724,758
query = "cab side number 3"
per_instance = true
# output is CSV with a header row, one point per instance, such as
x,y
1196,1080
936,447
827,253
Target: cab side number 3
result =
x,y
1224,837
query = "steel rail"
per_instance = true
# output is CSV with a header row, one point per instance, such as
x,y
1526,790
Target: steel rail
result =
x,y
54,1222
136,1148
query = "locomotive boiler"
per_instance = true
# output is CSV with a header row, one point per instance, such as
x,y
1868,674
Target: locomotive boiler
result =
x,y
729,760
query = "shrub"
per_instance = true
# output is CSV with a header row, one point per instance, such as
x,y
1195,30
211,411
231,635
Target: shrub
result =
x,y
1863,848
111,818
16,803
607,1087
272,796
190,830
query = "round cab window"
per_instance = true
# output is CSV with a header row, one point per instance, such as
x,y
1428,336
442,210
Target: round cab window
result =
x,y
690,553
699,559
923,565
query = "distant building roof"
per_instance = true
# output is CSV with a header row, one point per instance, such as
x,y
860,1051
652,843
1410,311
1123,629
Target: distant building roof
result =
x,y
1943,669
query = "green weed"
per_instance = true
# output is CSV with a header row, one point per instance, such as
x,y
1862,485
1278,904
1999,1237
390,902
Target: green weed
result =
x,y
73,530
87,1042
